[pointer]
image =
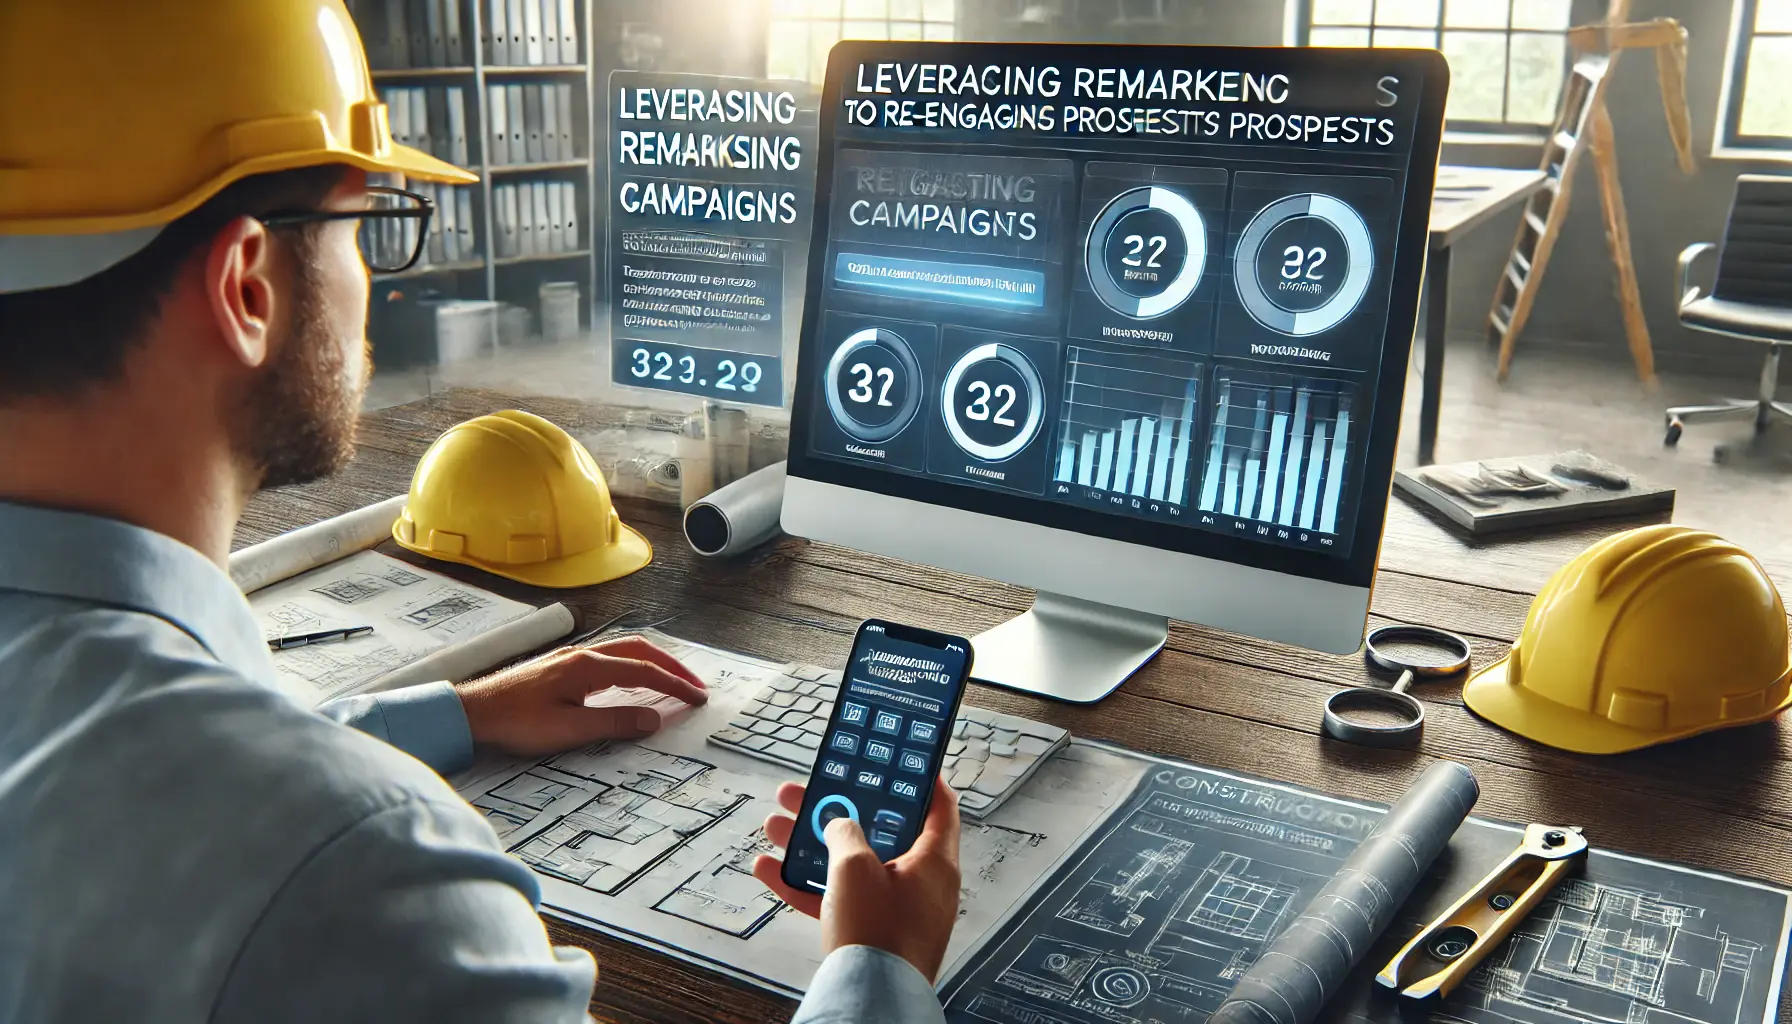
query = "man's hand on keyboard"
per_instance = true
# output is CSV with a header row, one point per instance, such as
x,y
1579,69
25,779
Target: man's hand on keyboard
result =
x,y
538,707
906,907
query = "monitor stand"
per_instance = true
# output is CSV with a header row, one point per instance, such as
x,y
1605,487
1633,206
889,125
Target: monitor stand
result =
x,y
1068,649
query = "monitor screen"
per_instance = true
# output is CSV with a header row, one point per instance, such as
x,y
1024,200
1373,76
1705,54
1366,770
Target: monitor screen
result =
x,y
1159,294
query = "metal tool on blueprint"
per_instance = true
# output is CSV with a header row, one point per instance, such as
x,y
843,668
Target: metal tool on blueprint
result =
x,y
1393,718
1442,955
1292,979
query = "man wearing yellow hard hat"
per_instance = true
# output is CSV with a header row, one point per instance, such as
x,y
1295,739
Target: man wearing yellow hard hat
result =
x,y
181,310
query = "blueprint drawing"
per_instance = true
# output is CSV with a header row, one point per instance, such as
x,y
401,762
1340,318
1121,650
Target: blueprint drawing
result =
x,y
413,612
1175,895
655,841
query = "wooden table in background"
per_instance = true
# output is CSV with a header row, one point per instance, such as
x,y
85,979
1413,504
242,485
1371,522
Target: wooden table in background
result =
x,y
1465,198
1722,801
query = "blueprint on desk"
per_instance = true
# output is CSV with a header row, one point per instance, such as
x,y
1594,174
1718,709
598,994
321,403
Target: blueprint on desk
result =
x,y
1165,905
655,841
413,611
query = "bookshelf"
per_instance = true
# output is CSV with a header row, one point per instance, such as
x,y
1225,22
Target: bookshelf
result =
x,y
522,120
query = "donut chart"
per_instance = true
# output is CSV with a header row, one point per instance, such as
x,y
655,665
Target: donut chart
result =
x,y
873,385
1312,300
993,402
1148,272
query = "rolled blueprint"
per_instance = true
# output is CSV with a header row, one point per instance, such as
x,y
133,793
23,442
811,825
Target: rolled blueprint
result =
x,y
462,661
308,547
739,517
1293,978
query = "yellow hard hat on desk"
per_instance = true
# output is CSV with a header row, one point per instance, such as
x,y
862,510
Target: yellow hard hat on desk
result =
x,y
513,494
120,116
1648,636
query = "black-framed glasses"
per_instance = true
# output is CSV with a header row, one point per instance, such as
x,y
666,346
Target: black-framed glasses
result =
x,y
394,226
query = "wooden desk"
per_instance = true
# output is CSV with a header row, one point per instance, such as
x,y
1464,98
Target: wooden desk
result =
x,y
1722,801
1465,198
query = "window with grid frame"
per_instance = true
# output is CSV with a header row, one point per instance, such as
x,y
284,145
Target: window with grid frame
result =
x,y
1508,58
801,32
1758,112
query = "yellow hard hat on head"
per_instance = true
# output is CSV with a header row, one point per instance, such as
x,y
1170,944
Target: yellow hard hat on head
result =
x,y
123,115
513,494
1648,636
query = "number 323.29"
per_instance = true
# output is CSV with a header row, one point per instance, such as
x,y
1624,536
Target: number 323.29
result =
x,y
730,376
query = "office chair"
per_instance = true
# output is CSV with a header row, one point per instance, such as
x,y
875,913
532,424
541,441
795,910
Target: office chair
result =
x,y
1751,297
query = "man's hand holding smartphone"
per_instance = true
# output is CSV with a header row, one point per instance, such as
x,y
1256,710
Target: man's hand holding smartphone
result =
x,y
906,906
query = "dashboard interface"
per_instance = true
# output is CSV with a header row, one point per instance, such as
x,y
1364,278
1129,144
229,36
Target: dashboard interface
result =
x,y
1150,283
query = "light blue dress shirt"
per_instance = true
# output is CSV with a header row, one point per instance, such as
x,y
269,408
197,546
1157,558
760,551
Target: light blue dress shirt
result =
x,y
182,841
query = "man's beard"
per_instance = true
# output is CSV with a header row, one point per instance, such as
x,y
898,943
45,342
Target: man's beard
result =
x,y
297,423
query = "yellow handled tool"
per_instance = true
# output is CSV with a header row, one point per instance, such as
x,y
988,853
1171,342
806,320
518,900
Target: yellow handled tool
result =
x,y
1441,956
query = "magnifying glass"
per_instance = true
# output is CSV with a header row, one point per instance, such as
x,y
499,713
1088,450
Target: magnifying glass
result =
x,y
1393,718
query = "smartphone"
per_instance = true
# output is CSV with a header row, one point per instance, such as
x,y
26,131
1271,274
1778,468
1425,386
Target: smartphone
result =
x,y
883,745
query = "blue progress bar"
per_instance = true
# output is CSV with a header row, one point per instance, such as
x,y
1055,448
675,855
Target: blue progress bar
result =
x,y
970,284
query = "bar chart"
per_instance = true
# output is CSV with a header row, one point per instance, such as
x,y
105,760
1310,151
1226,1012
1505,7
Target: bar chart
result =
x,y
1279,453
1128,428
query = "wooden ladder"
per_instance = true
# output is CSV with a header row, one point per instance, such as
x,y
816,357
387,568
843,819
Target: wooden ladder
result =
x,y
1582,125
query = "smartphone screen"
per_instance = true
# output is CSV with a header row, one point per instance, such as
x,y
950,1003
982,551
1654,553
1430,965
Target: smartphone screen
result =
x,y
883,745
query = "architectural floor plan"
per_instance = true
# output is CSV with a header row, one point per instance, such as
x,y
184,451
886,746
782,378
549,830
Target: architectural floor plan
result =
x,y
1174,897
656,840
1113,888
413,612
1634,942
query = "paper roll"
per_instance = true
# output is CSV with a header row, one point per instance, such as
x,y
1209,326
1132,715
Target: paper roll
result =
x,y
462,661
308,547
1291,980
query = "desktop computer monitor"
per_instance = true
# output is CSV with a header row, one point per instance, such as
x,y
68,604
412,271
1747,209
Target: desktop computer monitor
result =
x,y
1127,325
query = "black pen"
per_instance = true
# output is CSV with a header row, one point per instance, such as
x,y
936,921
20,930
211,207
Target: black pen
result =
x,y
281,643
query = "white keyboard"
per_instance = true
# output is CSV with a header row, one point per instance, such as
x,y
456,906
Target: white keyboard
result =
x,y
988,757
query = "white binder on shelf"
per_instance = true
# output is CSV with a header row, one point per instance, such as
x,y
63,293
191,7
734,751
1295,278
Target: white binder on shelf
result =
x,y
569,208
497,127
449,215
525,219
457,126
440,138
398,114
513,99
556,226
437,251
438,32
397,35
513,228
569,31
542,225
550,32
496,37
519,37
469,234
550,124
501,234
420,136
532,28
451,30
417,17
568,140
532,121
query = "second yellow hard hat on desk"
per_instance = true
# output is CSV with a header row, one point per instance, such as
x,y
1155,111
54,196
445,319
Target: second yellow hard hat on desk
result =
x,y
515,495
1648,636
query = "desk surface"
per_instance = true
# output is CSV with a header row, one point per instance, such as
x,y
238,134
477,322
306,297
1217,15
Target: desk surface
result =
x,y
1467,196
1722,801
